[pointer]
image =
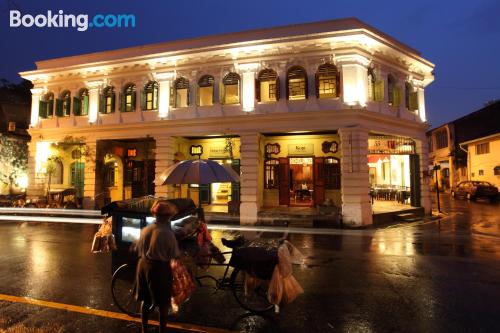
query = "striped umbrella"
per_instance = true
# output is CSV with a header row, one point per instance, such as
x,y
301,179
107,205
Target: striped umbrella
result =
x,y
197,172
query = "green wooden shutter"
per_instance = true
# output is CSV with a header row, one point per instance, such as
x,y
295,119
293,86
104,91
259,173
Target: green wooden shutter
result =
x,y
102,103
59,108
397,96
306,86
379,91
85,106
257,90
278,89
133,100
338,86
122,106
50,108
143,100
171,97
413,101
42,109
77,106
113,98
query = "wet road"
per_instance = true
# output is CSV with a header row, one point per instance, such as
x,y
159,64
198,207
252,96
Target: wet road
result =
x,y
421,277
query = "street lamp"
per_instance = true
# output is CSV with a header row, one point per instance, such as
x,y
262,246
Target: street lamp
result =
x,y
436,168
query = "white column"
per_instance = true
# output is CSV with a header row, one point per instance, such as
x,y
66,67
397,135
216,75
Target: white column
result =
x,y
35,186
164,156
248,85
421,104
89,180
356,205
36,94
93,87
249,188
354,73
164,80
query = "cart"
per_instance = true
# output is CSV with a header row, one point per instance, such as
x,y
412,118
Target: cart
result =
x,y
129,217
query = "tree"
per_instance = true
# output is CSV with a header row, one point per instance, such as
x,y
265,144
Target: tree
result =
x,y
13,160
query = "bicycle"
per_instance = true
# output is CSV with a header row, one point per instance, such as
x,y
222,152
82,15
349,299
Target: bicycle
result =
x,y
255,300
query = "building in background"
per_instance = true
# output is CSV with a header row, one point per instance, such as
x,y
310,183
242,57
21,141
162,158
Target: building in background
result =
x,y
14,121
448,148
329,111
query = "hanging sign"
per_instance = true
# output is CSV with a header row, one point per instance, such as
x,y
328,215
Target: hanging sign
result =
x,y
301,149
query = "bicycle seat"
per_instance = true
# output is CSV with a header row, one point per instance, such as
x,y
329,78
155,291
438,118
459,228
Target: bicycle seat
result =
x,y
233,243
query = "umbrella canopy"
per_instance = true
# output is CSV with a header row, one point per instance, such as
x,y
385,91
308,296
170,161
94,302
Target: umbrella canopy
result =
x,y
197,172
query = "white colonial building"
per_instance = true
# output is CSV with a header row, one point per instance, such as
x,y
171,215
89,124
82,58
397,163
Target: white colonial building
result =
x,y
311,112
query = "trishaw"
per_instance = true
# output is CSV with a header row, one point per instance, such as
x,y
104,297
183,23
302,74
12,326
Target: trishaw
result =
x,y
129,217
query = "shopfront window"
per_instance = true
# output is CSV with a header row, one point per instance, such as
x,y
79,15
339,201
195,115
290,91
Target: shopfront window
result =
x,y
332,173
271,173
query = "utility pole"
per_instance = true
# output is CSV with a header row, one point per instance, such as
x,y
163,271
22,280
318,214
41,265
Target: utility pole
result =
x,y
436,168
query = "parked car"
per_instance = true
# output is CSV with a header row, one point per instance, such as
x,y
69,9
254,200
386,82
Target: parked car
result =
x,y
475,189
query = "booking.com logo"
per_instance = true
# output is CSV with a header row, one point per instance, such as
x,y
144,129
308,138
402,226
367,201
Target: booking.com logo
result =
x,y
61,20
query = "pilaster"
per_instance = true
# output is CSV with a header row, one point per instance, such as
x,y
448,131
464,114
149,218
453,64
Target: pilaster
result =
x,y
250,154
164,156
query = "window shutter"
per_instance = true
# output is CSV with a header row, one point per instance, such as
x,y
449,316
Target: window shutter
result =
x,y
413,101
113,98
188,101
306,86
42,109
85,106
257,90
133,100
50,108
76,106
143,100
171,100
316,84
397,96
379,91
278,89
59,108
287,88
338,87
102,102
121,107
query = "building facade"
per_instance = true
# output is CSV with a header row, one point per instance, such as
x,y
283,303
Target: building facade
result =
x,y
483,159
448,148
299,110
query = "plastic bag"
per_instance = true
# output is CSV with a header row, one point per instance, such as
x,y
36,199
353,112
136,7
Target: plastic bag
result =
x,y
182,283
275,291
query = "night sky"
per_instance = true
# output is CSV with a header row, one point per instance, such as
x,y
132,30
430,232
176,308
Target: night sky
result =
x,y
461,37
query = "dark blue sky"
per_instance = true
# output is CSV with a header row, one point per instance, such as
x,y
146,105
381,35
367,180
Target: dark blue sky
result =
x,y
461,37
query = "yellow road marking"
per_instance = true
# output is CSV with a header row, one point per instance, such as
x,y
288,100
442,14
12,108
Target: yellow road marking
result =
x,y
107,314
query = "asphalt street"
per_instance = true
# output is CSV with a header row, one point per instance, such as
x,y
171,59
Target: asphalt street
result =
x,y
434,276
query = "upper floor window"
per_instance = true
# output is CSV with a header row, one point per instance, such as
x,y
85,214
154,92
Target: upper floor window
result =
x,y
81,103
296,83
150,96
393,91
128,98
411,98
46,106
483,148
181,87
268,86
441,139
231,89
206,90
63,105
375,86
327,81
108,100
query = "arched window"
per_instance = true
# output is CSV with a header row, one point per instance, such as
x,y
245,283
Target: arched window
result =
x,y
181,87
128,98
46,106
296,83
206,90
332,173
81,103
107,104
327,81
268,86
271,173
231,89
150,96
63,105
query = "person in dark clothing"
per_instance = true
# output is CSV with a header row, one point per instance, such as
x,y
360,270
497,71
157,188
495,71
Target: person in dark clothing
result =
x,y
156,246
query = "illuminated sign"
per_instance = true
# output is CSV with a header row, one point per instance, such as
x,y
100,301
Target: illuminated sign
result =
x,y
131,152
301,149
196,150
329,147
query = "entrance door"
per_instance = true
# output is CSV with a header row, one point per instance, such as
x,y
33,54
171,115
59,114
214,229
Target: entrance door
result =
x,y
284,181
138,189
319,180
415,180
77,177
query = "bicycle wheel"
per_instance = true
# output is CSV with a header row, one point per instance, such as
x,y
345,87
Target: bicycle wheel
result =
x,y
122,290
252,300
